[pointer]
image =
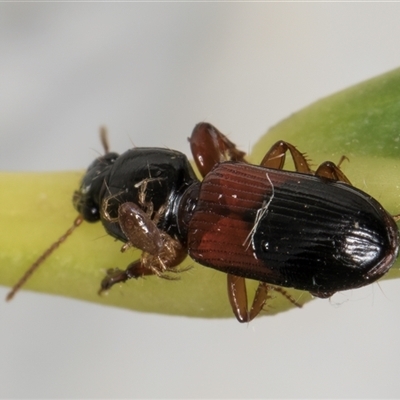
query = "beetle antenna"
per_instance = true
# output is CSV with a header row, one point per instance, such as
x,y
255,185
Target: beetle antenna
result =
x,y
42,258
104,139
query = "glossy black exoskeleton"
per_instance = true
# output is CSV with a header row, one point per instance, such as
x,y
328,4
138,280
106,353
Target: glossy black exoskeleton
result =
x,y
306,230
153,178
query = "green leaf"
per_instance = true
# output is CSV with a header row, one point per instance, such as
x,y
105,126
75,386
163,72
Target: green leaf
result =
x,y
361,122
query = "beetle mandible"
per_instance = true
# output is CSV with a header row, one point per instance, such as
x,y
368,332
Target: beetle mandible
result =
x,y
306,230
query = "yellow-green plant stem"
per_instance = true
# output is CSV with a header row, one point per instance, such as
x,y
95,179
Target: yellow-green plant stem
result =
x,y
362,123
36,209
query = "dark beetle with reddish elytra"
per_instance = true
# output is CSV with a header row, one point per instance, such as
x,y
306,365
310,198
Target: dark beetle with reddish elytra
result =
x,y
307,230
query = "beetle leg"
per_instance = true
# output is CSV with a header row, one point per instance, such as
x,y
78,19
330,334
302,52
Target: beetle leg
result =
x,y
237,294
161,252
115,275
166,261
275,158
331,171
260,298
141,232
105,205
147,205
209,147
284,293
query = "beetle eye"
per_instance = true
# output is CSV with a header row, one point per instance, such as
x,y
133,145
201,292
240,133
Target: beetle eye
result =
x,y
90,213
86,207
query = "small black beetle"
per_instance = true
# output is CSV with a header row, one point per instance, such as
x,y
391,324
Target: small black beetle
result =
x,y
307,230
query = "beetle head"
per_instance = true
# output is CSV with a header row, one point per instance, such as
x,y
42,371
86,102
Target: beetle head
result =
x,y
86,199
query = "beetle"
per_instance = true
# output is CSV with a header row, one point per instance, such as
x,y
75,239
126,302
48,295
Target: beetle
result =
x,y
303,229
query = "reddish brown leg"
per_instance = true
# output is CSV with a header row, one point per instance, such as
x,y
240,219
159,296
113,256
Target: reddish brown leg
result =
x,y
134,270
161,253
238,298
329,170
209,147
139,229
237,294
275,158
